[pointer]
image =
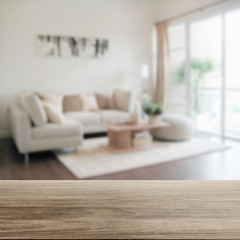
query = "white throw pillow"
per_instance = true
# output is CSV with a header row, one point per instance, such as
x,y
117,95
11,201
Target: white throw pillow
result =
x,y
34,107
89,103
122,100
55,99
53,112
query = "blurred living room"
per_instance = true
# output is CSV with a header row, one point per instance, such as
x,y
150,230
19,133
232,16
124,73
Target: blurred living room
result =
x,y
119,89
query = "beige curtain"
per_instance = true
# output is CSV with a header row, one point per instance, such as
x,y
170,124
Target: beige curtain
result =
x,y
162,64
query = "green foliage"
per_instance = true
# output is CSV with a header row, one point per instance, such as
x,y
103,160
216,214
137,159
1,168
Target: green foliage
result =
x,y
152,108
199,68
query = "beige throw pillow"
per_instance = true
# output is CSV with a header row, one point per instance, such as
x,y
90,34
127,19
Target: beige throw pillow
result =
x,y
122,100
53,113
105,101
89,103
72,103
53,105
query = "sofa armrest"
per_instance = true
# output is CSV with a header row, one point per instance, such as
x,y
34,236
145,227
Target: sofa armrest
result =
x,y
20,127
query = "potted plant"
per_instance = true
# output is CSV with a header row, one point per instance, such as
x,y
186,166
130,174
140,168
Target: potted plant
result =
x,y
153,110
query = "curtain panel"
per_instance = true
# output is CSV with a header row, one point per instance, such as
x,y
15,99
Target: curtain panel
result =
x,y
162,64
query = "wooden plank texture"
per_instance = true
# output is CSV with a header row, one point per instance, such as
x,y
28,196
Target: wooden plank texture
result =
x,y
120,209
134,126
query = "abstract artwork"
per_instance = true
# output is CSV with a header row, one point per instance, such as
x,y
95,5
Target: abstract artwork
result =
x,y
63,46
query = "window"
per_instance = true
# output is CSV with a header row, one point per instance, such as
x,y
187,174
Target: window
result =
x,y
232,123
204,74
177,90
205,66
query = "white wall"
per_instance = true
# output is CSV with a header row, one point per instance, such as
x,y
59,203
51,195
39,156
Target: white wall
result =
x,y
170,8
128,24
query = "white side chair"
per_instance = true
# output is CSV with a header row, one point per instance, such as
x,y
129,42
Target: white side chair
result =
x,y
180,128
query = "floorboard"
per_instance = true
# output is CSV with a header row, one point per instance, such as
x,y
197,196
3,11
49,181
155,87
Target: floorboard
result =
x,y
222,165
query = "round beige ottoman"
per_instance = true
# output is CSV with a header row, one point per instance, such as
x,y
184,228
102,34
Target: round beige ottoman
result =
x,y
180,128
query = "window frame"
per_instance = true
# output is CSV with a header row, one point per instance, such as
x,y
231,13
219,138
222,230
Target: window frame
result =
x,y
223,90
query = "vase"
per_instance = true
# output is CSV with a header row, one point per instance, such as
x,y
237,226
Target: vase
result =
x,y
154,119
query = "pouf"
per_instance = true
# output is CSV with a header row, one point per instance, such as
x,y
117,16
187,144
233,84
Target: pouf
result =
x,y
180,128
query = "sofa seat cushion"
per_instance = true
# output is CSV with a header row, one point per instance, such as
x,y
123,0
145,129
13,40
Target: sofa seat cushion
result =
x,y
53,130
85,118
114,116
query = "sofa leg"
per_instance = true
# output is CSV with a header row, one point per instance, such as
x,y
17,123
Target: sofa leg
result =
x,y
26,158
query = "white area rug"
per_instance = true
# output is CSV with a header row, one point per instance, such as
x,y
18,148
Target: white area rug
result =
x,y
93,160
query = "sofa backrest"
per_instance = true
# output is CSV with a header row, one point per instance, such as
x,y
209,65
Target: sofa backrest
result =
x,y
119,99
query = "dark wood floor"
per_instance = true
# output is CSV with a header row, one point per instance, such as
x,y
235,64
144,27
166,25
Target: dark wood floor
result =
x,y
222,165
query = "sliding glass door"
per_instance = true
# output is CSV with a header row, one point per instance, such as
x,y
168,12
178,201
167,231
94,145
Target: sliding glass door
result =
x,y
205,72
233,74
177,45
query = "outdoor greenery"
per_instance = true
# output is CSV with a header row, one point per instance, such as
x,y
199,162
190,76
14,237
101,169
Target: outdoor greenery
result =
x,y
152,109
199,69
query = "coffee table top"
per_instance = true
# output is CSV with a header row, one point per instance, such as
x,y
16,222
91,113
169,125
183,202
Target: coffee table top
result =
x,y
120,209
134,126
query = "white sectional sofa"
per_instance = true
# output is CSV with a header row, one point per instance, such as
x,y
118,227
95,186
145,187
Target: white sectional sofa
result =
x,y
92,121
29,138
34,131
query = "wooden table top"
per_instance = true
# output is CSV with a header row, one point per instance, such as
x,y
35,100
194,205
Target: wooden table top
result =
x,y
120,209
134,126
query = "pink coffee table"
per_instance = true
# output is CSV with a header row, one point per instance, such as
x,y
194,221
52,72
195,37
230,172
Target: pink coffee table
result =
x,y
120,136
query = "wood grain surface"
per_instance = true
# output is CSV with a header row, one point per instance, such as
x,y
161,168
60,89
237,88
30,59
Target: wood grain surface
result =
x,y
120,209
134,126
